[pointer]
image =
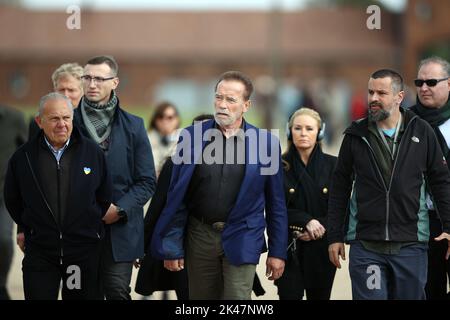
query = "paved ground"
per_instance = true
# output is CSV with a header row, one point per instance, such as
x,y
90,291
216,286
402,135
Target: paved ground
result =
x,y
341,289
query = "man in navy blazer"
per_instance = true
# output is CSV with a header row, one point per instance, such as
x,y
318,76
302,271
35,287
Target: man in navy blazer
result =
x,y
124,141
226,175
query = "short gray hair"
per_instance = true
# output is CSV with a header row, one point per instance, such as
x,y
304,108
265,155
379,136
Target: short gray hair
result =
x,y
53,96
438,60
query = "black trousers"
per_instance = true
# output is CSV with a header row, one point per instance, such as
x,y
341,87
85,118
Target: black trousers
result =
x,y
311,294
115,276
79,273
438,267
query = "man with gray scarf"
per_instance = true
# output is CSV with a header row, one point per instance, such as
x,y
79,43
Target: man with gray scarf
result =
x,y
123,138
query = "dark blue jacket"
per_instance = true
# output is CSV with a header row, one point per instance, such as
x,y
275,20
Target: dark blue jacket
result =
x,y
260,202
130,162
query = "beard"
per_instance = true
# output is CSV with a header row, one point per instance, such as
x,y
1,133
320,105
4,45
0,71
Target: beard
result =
x,y
378,115
225,122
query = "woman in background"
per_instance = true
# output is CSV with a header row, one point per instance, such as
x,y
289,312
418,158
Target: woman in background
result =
x,y
163,133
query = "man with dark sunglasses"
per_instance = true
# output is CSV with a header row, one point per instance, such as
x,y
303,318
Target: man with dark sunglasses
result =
x,y
430,82
433,105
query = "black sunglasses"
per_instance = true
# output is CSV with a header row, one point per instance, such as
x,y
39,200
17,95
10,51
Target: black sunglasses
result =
x,y
430,82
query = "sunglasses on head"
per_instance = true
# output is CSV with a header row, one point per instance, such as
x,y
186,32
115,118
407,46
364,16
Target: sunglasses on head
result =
x,y
430,82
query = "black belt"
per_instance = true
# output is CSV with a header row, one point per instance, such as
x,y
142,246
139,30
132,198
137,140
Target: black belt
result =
x,y
218,225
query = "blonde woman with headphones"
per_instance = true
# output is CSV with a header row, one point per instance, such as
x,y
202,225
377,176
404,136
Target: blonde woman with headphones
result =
x,y
307,178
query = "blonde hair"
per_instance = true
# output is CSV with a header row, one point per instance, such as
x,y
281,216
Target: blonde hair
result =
x,y
73,69
303,111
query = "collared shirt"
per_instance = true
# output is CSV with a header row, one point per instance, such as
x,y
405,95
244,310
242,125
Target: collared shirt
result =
x,y
445,130
383,155
214,187
57,153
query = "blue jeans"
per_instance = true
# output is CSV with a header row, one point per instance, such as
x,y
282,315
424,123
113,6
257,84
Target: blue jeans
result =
x,y
378,276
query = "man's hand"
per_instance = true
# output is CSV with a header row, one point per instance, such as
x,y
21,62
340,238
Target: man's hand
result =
x,y
334,251
442,237
315,229
274,268
20,240
111,215
174,265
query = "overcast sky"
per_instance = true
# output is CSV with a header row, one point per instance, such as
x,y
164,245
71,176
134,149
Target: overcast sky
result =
x,y
396,5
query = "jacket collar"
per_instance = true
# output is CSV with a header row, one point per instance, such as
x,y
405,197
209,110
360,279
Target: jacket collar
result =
x,y
38,139
361,127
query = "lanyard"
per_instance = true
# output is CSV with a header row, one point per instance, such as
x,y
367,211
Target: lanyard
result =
x,y
397,130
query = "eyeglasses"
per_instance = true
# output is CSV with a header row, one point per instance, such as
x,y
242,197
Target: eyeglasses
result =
x,y
98,80
430,82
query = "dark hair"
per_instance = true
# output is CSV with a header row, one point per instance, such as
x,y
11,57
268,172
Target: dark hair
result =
x,y
109,60
203,117
238,76
397,80
159,113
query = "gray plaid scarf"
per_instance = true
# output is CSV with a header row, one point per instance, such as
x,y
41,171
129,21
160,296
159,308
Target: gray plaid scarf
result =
x,y
98,118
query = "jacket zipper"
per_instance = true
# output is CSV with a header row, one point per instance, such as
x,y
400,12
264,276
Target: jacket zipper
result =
x,y
386,229
387,188
58,173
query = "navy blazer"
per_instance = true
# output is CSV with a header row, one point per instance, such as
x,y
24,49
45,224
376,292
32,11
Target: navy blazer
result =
x,y
130,162
243,238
